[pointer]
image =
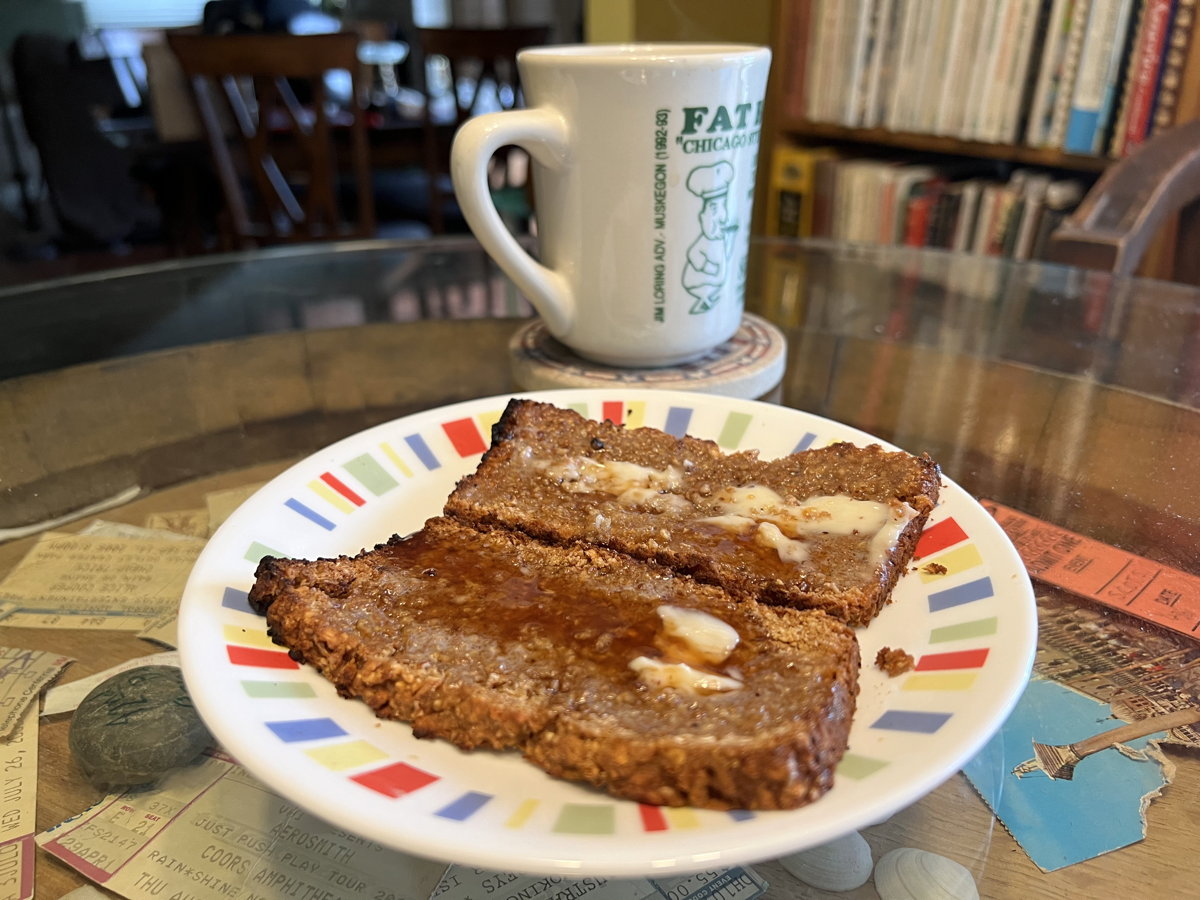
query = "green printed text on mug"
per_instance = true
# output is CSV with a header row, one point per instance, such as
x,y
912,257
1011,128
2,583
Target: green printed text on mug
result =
x,y
711,256
708,130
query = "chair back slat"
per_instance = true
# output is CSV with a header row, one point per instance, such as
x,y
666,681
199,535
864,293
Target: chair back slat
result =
x,y
477,58
280,158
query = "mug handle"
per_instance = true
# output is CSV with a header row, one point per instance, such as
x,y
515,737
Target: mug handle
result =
x,y
544,135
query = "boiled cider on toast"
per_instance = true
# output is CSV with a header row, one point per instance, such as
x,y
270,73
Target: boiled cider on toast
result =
x,y
830,528
597,667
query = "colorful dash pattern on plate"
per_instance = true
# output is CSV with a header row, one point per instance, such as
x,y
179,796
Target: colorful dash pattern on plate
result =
x,y
333,495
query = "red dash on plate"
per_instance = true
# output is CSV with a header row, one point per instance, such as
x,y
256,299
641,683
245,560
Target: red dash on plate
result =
x,y
395,780
261,659
961,659
613,411
938,537
465,436
342,488
652,817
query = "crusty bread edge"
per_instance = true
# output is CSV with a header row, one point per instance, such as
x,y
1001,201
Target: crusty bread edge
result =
x,y
785,772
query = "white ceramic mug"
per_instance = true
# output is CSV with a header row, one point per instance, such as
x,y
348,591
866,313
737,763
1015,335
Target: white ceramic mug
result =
x,y
644,160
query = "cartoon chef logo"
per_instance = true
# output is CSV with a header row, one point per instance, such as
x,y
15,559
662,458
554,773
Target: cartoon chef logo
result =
x,y
706,269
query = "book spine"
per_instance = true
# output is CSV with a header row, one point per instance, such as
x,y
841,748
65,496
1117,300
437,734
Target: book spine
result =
x,y
1145,66
838,49
864,34
796,86
1032,36
817,67
1092,101
999,74
1058,29
962,30
1057,132
894,116
934,64
882,60
1170,80
984,49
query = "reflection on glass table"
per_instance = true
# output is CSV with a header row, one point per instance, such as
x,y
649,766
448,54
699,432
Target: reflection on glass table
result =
x,y
1065,399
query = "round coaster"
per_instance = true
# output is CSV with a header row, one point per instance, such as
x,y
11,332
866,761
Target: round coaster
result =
x,y
747,366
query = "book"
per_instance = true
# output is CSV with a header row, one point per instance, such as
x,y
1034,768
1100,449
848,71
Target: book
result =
x,y
944,217
1175,58
1033,199
824,195
1060,199
865,25
1056,133
998,72
981,54
1096,81
796,98
1145,64
934,65
1049,72
968,209
791,189
908,52
844,32
818,58
1030,35
906,182
918,212
964,35
882,62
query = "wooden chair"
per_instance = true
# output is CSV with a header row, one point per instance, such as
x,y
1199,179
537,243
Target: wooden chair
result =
x,y
1131,203
482,67
278,154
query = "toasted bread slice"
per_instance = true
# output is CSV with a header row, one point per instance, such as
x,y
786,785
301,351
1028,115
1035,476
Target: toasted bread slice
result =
x,y
597,667
830,529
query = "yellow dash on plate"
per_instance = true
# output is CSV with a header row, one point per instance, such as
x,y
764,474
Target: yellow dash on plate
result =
x,y
248,637
635,414
682,817
939,681
395,459
346,755
955,561
521,814
486,420
330,496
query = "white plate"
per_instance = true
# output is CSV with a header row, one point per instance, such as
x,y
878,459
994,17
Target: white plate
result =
x,y
973,631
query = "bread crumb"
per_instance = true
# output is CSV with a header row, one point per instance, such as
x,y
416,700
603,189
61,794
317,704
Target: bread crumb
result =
x,y
934,569
894,662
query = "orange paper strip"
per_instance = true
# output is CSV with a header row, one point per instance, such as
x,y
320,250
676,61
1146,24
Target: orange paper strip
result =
x,y
1133,584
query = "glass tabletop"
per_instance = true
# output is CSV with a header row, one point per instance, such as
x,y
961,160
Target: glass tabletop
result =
x,y
1070,397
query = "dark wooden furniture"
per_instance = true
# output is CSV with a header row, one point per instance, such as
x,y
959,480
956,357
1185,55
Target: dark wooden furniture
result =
x,y
1134,200
266,112
482,70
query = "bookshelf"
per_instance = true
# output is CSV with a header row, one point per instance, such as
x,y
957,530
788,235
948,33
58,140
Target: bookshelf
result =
x,y
1063,87
872,139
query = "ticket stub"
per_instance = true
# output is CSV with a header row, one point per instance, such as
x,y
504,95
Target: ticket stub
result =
x,y
738,883
1086,567
18,808
467,883
211,830
23,674
87,581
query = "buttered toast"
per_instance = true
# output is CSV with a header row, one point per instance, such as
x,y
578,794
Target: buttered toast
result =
x,y
829,529
598,667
